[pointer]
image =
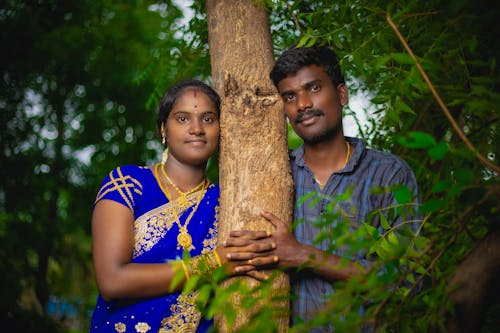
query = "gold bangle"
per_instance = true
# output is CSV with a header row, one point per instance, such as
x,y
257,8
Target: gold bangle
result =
x,y
217,257
204,264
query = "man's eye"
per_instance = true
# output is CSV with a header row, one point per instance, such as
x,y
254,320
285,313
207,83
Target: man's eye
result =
x,y
315,87
289,97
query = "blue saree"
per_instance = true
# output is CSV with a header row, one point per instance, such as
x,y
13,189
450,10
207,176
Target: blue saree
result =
x,y
155,233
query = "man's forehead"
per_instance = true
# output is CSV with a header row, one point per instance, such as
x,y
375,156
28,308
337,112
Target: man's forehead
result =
x,y
303,77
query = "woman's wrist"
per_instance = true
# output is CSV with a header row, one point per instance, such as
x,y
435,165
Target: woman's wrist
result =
x,y
201,265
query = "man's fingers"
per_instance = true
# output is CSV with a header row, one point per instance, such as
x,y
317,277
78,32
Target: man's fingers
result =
x,y
239,242
273,219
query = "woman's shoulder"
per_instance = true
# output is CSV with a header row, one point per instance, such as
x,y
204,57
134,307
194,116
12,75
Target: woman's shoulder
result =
x,y
125,182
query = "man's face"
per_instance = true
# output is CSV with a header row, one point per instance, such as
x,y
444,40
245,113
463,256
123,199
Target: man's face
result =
x,y
313,104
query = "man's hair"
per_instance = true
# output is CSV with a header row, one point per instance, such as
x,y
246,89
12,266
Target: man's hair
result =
x,y
170,97
294,59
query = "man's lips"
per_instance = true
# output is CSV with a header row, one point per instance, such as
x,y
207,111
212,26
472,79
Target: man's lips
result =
x,y
307,117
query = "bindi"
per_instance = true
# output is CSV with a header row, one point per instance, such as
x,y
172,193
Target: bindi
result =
x,y
195,95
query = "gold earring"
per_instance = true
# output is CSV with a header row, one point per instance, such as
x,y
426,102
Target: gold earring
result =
x,y
164,156
163,134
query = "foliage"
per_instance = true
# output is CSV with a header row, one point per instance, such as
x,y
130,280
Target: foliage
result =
x,y
80,82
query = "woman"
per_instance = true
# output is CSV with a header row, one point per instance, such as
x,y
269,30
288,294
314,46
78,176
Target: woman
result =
x,y
146,218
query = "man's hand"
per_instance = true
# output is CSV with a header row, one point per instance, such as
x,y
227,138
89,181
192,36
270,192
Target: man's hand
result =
x,y
291,253
261,249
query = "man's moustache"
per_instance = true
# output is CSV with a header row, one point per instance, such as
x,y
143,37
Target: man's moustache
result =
x,y
308,113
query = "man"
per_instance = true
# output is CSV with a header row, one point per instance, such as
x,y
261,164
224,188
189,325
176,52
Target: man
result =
x,y
313,90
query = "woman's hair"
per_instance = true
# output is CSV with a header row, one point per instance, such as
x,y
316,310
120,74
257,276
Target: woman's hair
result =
x,y
170,97
293,59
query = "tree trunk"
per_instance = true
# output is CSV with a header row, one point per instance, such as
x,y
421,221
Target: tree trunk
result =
x,y
474,285
254,169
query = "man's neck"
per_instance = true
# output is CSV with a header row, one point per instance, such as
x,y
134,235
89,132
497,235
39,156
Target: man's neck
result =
x,y
327,157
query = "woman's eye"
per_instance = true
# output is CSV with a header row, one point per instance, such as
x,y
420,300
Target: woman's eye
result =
x,y
181,119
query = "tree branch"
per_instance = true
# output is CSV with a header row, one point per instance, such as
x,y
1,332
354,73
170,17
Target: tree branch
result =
x,y
447,113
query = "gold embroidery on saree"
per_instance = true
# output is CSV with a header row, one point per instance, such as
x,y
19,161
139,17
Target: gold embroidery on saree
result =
x,y
185,316
152,226
120,327
210,243
142,327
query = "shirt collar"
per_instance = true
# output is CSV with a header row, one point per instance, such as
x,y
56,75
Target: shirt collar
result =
x,y
358,147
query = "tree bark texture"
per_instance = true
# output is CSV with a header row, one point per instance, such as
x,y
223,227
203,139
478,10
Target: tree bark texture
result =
x,y
254,167
474,285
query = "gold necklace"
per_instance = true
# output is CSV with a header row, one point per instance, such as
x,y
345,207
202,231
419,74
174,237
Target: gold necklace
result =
x,y
184,239
345,163
182,198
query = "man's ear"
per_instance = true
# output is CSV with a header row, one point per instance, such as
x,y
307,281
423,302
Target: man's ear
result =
x,y
343,94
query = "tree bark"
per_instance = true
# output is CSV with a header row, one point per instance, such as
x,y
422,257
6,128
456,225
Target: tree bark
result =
x,y
474,285
254,168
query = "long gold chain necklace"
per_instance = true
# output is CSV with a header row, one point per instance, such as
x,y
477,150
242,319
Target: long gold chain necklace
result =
x,y
182,199
184,239
345,163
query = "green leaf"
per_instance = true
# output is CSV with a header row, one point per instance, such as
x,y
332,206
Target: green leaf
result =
x,y
393,239
191,283
402,106
204,294
464,176
441,186
311,41
379,99
439,151
402,194
305,197
302,41
417,140
422,242
432,205
383,222
179,275
403,58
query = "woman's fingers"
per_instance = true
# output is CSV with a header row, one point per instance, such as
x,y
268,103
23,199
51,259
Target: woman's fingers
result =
x,y
258,275
247,234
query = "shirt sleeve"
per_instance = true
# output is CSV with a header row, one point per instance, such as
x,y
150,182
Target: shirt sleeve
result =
x,y
404,213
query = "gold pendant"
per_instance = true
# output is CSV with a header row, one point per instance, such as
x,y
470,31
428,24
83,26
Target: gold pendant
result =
x,y
184,239
182,201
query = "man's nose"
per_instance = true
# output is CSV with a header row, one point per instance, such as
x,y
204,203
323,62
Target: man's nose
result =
x,y
304,102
